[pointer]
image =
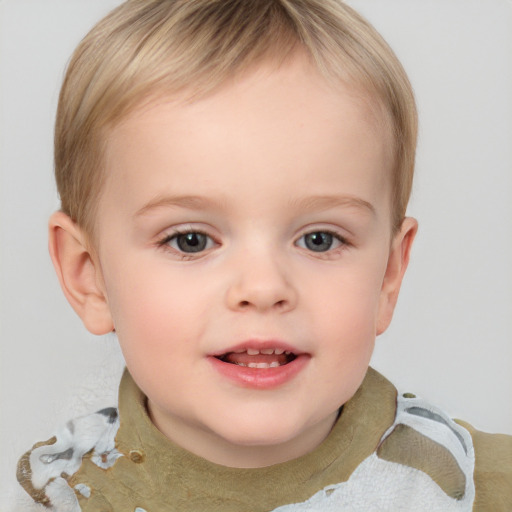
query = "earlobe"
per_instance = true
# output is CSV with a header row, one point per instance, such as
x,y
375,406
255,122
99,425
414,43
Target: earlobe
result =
x,y
397,265
79,274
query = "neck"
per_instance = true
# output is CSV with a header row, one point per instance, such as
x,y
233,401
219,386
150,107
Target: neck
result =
x,y
256,454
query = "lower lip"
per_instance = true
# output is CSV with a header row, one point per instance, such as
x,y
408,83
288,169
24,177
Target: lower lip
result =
x,y
260,378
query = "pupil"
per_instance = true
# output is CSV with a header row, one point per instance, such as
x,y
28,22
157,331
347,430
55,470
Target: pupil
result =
x,y
192,242
319,242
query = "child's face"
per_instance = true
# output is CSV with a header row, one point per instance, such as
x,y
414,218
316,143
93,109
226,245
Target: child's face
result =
x,y
253,220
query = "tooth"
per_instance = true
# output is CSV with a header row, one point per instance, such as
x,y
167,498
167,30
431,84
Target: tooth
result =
x,y
287,352
267,351
241,364
258,365
239,351
278,351
275,364
252,352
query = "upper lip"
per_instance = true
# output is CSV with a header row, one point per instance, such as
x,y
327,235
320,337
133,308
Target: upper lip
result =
x,y
258,345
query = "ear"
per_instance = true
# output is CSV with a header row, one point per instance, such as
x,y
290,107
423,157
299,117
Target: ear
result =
x,y
79,273
397,265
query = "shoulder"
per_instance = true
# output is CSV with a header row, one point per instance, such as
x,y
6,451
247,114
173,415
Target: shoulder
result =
x,y
468,465
43,471
463,461
424,439
493,470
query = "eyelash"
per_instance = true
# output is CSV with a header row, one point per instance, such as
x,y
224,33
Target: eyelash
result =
x,y
164,243
335,238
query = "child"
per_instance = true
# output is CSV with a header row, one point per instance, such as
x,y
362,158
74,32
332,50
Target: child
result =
x,y
234,179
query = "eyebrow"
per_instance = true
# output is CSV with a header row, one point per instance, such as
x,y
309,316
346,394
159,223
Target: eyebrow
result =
x,y
326,202
186,201
320,202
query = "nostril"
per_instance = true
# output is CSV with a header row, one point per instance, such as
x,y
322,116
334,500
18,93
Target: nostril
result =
x,y
245,304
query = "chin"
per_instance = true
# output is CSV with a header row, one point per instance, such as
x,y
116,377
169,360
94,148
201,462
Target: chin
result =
x,y
270,432
267,439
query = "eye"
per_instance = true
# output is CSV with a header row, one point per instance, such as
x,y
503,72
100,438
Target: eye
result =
x,y
190,242
320,241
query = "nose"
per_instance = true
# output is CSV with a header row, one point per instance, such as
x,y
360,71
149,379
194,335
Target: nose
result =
x,y
260,283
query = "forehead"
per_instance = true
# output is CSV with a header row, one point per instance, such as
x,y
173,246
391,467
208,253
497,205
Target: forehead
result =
x,y
288,119
297,77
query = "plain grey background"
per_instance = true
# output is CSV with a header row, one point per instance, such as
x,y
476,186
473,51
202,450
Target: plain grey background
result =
x,y
450,341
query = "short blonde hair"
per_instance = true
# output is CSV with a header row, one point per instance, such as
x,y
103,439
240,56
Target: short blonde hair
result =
x,y
148,47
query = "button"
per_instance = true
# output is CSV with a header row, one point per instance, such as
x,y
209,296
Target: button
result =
x,y
136,456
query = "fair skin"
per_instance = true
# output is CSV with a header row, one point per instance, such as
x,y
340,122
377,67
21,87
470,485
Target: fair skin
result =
x,y
249,226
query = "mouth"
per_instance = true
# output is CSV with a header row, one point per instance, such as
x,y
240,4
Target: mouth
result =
x,y
258,358
260,365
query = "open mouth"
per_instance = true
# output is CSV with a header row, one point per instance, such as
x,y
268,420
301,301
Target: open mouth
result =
x,y
260,365
254,358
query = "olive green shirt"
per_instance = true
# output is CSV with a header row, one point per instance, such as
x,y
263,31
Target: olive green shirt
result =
x,y
147,472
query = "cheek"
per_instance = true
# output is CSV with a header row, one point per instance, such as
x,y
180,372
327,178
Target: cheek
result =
x,y
152,306
346,317
350,331
349,295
